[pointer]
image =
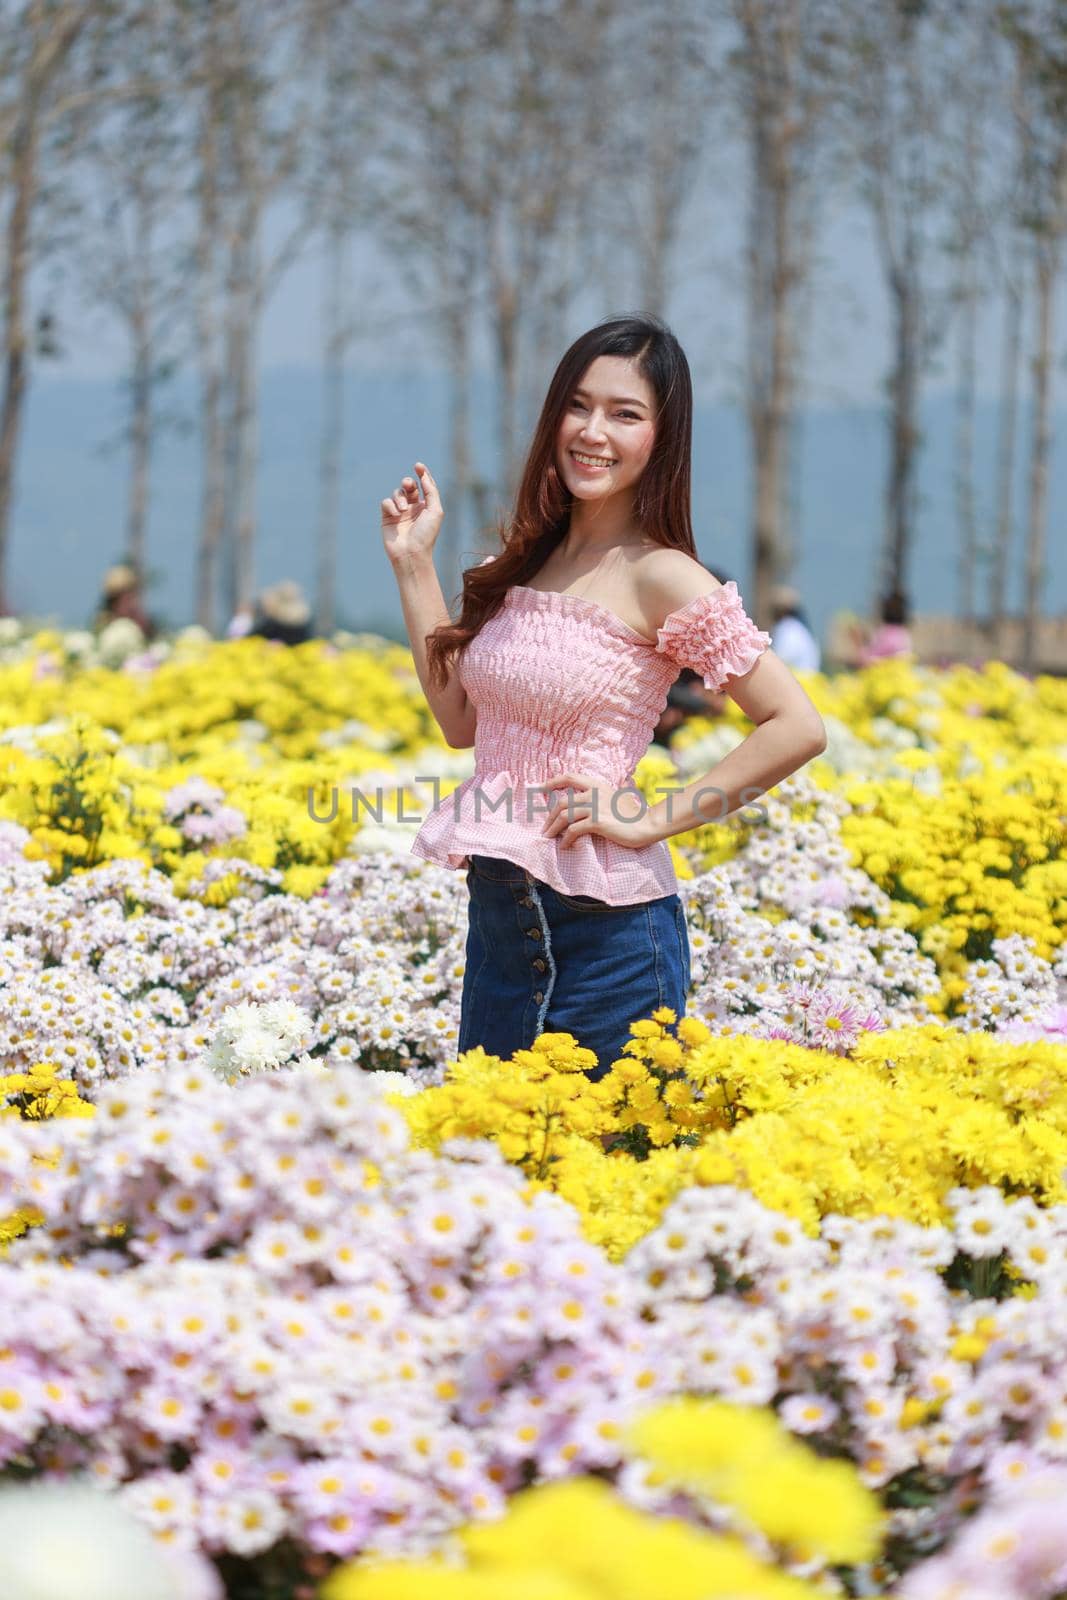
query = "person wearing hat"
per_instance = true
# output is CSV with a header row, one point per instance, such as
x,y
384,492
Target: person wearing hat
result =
x,y
791,637
122,598
283,614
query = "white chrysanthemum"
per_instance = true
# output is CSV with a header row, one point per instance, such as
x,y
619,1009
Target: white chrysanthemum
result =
x,y
983,1227
396,1083
291,1021
312,1066
220,1059
71,1541
258,1046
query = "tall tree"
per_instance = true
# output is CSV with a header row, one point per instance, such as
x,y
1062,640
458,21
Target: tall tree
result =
x,y
783,76
542,116
254,116
129,197
199,45
425,180
667,79
1038,31
338,205
896,88
973,186
1009,239
38,43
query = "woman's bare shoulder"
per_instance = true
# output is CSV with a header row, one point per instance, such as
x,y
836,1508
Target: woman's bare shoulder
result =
x,y
669,579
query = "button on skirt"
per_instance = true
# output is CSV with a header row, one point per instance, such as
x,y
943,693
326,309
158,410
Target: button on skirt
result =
x,y
538,961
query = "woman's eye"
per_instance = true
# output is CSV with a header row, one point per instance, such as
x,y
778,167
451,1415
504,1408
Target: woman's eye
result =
x,y
576,405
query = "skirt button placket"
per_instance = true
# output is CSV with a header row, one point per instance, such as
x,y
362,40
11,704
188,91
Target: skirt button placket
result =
x,y
538,964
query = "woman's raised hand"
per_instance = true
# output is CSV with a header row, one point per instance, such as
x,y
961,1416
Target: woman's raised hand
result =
x,y
410,524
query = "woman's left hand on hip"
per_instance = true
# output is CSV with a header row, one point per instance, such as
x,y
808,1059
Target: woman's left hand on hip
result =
x,y
593,805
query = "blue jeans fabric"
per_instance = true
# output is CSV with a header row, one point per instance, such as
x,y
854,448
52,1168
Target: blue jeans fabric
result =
x,y
538,961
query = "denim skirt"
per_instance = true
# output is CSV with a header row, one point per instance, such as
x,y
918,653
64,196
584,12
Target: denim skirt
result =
x,y
538,961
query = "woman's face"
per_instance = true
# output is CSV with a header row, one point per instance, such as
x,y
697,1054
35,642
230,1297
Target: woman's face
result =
x,y
606,436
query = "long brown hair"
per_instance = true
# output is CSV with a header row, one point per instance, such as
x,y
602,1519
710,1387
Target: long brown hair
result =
x,y
543,503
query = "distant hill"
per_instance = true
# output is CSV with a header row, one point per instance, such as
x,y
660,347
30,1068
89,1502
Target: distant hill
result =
x,y
70,510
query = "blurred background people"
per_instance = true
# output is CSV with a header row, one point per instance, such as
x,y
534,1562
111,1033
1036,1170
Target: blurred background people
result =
x,y
241,623
792,639
283,613
892,636
686,697
121,597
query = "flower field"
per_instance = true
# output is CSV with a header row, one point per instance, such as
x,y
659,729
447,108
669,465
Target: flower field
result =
x,y
296,1304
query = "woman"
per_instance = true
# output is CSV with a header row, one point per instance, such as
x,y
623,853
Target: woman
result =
x,y
557,672
892,637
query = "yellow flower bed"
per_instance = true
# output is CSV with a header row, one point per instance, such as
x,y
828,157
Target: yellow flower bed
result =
x,y
195,703
983,859
966,826
577,1540
963,826
95,791
913,1113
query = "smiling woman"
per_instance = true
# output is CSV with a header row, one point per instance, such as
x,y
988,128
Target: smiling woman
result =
x,y
557,671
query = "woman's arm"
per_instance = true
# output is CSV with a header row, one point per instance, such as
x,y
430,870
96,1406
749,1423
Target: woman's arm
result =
x,y
424,607
789,731
410,526
787,735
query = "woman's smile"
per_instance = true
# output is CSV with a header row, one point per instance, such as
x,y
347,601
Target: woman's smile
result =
x,y
591,463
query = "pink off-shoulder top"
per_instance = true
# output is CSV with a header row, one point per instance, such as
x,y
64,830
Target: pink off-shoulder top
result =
x,y
561,684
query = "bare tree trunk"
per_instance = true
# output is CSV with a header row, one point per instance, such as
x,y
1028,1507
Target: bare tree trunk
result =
x,y
258,162
239,443
904,438
16,271
457,522
212,469
141,421
653,240
239,428
1046,276
246,430
972,87
781,116
771,377
245,377
142,350
897,98
968,191
335,308
1009,407
1013,277
966,398
53,37
506,344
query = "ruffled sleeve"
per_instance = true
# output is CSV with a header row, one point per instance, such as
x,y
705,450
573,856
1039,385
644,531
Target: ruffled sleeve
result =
x,y
714,636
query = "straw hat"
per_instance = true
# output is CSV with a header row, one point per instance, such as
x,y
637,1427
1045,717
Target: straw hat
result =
x,y
784,597
118,579
285,603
